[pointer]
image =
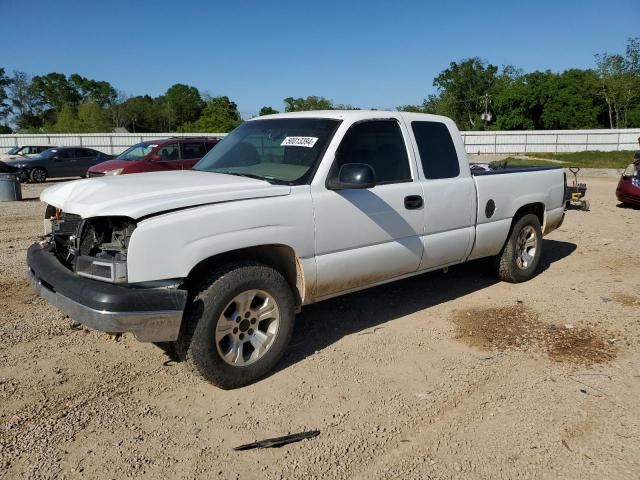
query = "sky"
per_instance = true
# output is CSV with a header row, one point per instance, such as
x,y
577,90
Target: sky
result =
x,y
370,54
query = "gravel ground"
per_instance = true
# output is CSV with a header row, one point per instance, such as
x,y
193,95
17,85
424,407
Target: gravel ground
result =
x,y
440,376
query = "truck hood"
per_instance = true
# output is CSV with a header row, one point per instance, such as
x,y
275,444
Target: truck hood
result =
x,y
143,194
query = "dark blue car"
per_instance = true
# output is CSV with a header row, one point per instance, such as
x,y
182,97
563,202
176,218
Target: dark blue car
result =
x,y
58,162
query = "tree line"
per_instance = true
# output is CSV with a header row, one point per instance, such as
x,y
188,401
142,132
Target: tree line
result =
x,y
476,94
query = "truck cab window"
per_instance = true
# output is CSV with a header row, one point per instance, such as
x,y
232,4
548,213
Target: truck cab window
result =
x,y
437,152
377,143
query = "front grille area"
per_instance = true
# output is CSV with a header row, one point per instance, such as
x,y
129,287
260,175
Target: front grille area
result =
x,y
95,174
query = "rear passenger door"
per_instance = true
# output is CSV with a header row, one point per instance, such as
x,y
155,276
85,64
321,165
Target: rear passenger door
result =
x,y
191,153
169,157
449,196
364,236
85,158
64,163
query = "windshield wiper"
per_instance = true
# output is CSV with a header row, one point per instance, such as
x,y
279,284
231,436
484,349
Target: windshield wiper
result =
x,y
257,177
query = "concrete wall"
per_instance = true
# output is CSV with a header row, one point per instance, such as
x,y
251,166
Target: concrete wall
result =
x,y
512,142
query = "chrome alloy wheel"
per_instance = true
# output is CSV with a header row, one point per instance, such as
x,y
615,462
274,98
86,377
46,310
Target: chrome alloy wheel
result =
x,y
247,327
526,246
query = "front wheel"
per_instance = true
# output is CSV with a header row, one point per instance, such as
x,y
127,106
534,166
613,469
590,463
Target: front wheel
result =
x,y
520,255
38,175
238,324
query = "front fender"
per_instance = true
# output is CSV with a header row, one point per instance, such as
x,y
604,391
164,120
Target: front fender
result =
x,y
171,245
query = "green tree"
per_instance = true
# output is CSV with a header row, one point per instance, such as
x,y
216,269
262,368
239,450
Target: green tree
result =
x,y
93,118
619,77
267,111
54,91
305,104
140,114
179,105
67,121
572,101
519,105
25,103
5,108
99,92
465,84
219,115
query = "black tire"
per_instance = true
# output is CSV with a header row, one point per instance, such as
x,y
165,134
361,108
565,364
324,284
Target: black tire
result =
x,y
23,176
508,265
38,175
197,344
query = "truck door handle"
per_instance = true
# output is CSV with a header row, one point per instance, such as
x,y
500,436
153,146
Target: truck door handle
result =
x,y
413,202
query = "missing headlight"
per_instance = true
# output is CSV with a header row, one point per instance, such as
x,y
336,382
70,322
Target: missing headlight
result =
x,y
102,248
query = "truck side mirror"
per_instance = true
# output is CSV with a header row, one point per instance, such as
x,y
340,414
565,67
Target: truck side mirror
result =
x,y
156,158
353,175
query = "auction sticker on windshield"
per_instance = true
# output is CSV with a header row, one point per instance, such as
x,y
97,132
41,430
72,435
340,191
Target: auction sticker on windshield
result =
x,y
308,142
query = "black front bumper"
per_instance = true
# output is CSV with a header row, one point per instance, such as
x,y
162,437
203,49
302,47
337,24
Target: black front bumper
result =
x,y
152,314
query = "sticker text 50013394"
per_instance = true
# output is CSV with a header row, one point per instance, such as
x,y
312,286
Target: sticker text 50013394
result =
x,y
308,142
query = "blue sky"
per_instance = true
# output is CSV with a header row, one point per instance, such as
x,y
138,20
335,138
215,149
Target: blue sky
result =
x,y
367,53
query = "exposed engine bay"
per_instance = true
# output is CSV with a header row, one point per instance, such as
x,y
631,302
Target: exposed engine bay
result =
x,y
95,248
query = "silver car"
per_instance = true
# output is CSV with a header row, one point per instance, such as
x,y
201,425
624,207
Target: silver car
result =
x,y
58,162
25,151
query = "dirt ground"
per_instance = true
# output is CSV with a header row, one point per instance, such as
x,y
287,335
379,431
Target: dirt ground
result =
x,y
441,376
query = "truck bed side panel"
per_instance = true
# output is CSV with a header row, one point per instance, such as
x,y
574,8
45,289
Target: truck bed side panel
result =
x,y
509,192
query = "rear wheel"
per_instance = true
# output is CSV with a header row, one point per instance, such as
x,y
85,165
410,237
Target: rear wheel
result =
x,y
520,255
38,175
238,324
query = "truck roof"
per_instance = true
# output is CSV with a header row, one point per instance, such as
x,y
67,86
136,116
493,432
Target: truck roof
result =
x,y
354,115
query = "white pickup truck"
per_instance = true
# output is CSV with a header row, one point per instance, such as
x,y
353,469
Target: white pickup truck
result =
x,y
285,211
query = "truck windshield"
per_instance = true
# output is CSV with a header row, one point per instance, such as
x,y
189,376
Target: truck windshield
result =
x,y
277,150
137,152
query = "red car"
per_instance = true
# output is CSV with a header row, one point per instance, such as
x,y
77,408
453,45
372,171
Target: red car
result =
x,y
628,190
156,155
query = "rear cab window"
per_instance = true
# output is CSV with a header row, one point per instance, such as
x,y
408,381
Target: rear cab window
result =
x,y
437,151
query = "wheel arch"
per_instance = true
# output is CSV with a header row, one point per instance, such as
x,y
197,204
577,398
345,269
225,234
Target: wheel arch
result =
x,y
535,208
278,256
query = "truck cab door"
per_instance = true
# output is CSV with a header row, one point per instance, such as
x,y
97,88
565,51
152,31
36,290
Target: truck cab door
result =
x,y
449,195
364,236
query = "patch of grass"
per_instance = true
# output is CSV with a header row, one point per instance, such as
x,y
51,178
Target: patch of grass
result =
x,y
595,159
525,162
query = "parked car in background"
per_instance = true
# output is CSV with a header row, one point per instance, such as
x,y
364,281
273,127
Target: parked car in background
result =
x,y
628,191
58,162
26,151
157,155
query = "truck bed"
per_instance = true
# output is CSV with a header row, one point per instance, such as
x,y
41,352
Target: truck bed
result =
x,y
501,193
503,171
